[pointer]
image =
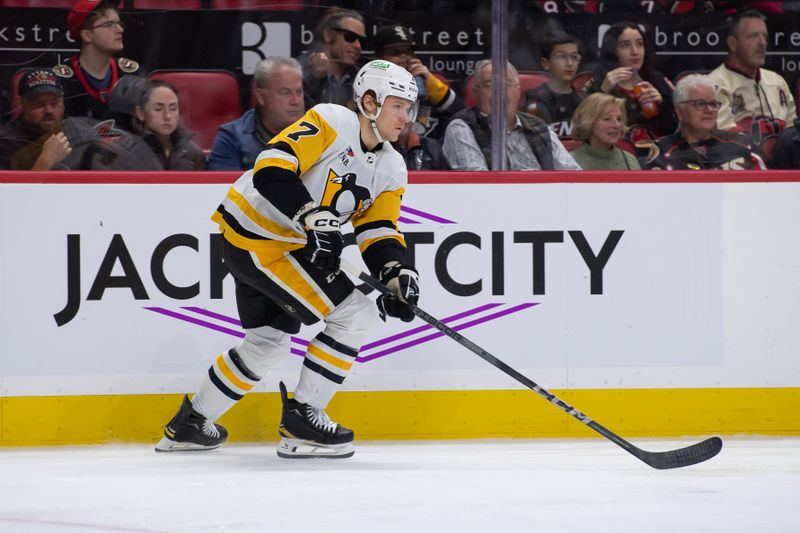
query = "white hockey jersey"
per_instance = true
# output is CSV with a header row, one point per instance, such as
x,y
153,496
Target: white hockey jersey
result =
x,y
742,96
320,159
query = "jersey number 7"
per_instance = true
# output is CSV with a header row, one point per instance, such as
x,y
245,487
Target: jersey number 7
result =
x,y
306,128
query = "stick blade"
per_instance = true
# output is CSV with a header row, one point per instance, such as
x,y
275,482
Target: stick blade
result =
x,y
691,455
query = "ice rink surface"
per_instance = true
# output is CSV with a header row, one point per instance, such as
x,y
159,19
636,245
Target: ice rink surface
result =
x,y
448,486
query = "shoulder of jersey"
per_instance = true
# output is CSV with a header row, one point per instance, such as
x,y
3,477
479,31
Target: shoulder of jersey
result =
x,y
770,76
336,115
128,66
63,71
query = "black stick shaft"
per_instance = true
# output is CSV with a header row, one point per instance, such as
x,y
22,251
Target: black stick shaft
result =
x,y
684,457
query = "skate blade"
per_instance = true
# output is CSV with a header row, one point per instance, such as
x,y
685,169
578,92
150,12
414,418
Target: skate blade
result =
x,y
302,449
169,445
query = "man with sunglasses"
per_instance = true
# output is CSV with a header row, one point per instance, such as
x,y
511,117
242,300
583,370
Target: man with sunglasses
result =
x,y
89,76
698,144
329,70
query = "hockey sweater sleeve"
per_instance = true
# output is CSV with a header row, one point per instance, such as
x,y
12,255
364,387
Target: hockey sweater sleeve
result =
x,y
277,171
376,231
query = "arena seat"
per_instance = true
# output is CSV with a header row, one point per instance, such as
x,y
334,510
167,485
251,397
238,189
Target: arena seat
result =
x,y
173,5
15,109
263,5
527,81
208,98
581,79
571,144
66,4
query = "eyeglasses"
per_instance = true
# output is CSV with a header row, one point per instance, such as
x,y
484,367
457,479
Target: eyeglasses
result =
x,y
351,36
562,57
108,25
702,104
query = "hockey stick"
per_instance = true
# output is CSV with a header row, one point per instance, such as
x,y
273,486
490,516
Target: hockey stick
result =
x,y
696,453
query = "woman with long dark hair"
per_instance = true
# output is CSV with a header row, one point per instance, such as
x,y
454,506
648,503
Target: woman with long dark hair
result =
x,y
626,70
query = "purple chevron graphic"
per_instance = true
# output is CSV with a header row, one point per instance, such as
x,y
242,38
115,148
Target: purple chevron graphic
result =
x,y
183,316
422,214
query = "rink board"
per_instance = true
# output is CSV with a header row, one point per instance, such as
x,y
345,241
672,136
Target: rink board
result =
x,y
658,308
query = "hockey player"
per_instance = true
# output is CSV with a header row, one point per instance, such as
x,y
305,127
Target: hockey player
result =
x,y
281,226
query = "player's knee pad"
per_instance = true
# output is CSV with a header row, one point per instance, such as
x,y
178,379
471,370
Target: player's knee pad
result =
x,y
354,318
262,348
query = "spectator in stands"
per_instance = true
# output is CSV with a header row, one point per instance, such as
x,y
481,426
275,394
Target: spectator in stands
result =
x,y
329,71
626,69
746,89
555,101
698,144
787,151
437,100
34,140
89,76
420,142
125,97
160,116
278,86
531,144
600,122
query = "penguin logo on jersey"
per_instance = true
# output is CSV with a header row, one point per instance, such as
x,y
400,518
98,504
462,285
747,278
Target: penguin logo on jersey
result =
x,y
339,187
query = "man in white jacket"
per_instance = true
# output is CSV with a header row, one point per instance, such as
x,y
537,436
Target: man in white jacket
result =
x,y
745,89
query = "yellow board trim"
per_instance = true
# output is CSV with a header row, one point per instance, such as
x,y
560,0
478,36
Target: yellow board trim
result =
x,y
399,415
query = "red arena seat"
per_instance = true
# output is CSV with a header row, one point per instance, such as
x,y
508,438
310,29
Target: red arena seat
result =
x,y
208,98
67,4
15,109
172,5
263,5
527,81
581,79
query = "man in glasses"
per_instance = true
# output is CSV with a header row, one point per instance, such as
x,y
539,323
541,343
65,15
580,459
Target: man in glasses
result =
x,y
89,76
556,101
330,69
698,144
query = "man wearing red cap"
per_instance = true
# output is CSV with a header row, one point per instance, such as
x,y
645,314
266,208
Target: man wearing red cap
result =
x,y
89,76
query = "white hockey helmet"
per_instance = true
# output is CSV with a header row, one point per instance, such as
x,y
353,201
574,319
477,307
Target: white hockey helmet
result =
x,y
384,78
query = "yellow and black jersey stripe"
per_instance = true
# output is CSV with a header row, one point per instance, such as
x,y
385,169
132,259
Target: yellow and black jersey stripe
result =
x,y
319,159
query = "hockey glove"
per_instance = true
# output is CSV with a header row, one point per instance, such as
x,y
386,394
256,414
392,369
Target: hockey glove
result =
x,y
403,281
324,241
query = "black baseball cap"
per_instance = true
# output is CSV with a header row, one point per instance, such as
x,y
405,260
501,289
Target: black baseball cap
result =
x,y
392,36
38,81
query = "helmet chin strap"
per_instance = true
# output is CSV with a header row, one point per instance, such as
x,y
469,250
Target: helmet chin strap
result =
x,y
373,122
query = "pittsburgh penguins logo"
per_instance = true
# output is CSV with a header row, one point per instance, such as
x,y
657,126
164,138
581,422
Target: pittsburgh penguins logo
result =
x,y
338,188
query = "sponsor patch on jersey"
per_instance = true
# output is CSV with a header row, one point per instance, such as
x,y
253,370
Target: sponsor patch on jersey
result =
x,y
127,66
346,155
737,103
63,71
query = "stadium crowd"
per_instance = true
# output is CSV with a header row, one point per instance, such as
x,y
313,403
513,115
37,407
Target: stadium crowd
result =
x,y
100,110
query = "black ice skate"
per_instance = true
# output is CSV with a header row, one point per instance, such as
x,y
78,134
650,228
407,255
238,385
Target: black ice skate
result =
x,y
307,432
189,430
